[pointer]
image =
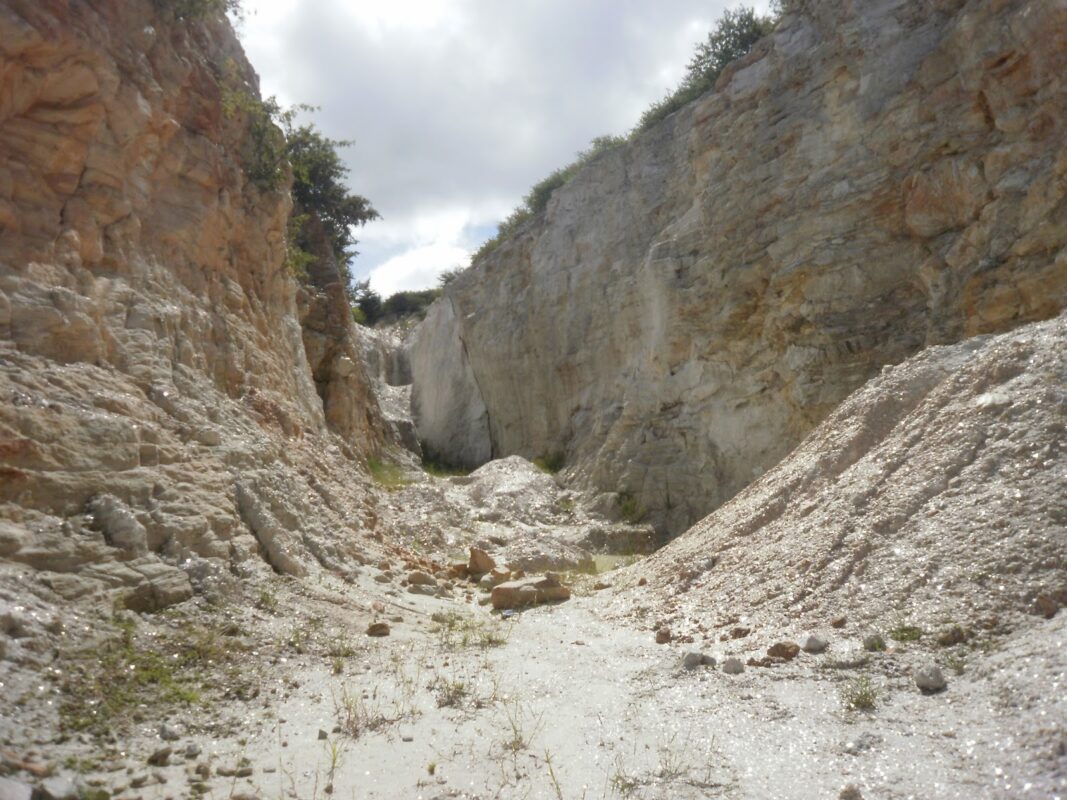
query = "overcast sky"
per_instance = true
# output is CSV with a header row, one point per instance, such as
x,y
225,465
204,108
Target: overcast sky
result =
x,y
457,107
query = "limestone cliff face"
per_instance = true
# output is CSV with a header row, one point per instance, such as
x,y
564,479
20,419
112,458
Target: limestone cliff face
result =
x,y
158,395
871,179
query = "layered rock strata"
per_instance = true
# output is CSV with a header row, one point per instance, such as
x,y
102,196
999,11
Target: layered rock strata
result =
x,y
872,179
161,426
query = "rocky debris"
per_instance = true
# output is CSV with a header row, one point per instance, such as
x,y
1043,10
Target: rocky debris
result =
x,y
480,562
120,527
529,591
419,578
170,733
56,788
694,659
1048,603
850,792
838,622
160,757
786,651
683,433
814,644
663,635
873,643
733,666
378,629
929,679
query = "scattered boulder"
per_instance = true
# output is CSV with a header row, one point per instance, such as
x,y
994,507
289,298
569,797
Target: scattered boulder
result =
x,y
161,757
784,650
378,629
873,643
120,527
814,644
529,591
663,635
420,578
480,562
169,733
1048,603
850,792
642,581
740,633
694,659
838,622
733,666
929,679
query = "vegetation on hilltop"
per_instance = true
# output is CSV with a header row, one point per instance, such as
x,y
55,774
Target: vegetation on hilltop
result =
x,y
733,36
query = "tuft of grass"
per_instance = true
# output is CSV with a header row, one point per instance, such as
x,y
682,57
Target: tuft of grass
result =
x,y
441,469
463,632
267,601
906,633
450,693
860,694
550,463
106,683
388,476
355,715
632,511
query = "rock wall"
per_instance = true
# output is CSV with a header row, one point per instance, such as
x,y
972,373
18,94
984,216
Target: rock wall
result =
x,y
157,404
872,179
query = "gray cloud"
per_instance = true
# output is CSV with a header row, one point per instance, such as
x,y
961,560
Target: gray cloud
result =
x,y
455,114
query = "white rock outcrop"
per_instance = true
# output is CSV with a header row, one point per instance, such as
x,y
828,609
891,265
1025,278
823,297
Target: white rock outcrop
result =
x,y
872,179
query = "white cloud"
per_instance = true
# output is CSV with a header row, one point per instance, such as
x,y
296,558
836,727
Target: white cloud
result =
x,y
457,107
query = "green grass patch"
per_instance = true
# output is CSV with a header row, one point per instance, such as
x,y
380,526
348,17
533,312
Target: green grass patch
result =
x,y
551,463
387,475
860,695
906,633
104,684
631,510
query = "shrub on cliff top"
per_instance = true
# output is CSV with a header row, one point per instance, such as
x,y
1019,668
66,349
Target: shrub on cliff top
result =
x,y
733,37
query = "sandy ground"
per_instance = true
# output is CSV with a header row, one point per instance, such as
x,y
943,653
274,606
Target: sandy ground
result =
x,y
553,702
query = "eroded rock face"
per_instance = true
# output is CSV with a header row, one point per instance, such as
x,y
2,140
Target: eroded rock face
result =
x,y
158,406
872,179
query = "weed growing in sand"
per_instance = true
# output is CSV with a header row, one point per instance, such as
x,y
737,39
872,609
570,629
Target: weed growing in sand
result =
x,y
672,761
624,782
355,715
859,694
522,726
450,693
456,631
552,776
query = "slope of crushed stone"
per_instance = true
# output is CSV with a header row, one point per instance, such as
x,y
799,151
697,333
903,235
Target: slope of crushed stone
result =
x,y
929,509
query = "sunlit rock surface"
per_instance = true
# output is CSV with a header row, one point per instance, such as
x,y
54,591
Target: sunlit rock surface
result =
x,y
165,421
872,179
